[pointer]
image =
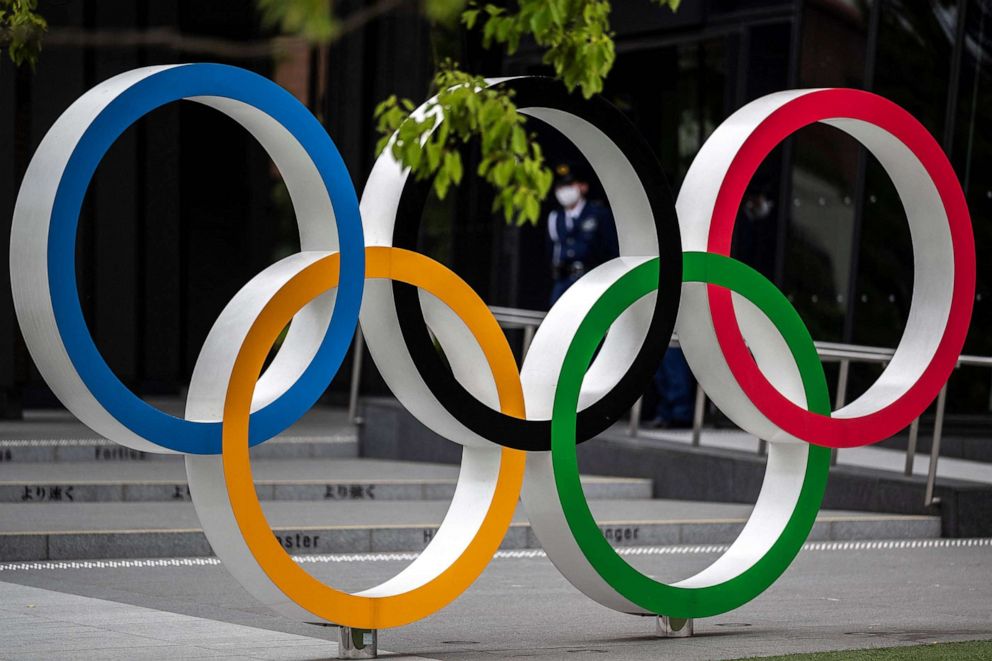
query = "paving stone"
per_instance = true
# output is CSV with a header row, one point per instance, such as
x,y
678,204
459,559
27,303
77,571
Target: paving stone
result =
x,y
710,533
42,624
23,546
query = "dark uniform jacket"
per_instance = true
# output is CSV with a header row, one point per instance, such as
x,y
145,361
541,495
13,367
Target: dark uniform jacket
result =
x,y
579,244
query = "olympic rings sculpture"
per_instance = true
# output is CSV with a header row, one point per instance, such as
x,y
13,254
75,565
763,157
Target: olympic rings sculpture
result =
x,y
743,340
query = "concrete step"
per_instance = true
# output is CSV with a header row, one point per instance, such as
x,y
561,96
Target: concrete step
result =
x,y
725,468
28,451
275,479
975,446
73,531
872,457
55,436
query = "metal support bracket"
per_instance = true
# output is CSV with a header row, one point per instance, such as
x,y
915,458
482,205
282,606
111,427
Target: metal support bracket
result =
x,y
357,643
673,627
698,412
938,431
635,418
354,392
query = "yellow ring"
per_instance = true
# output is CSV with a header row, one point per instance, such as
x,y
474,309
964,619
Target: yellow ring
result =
x,y
309,593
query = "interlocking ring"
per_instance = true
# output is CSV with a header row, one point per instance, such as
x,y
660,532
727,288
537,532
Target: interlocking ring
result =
x,y
222,489
43,252
461,405
943,284
588,362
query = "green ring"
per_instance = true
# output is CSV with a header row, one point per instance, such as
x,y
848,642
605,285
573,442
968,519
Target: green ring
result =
x,y
642,590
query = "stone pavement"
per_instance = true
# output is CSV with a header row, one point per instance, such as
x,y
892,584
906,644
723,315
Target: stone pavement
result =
x,y
844,592
836,596
43,624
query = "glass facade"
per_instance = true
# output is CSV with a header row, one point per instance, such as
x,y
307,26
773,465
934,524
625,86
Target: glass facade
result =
x,y
970,146
820,218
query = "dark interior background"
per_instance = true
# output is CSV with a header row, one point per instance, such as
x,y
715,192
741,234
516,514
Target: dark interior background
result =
x,y
186,208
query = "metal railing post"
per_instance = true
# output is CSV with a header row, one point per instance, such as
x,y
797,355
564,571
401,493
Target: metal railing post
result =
x,y
635,418
358,350
914,434
698,412
844,354
528,338
938,430
845,368
841,399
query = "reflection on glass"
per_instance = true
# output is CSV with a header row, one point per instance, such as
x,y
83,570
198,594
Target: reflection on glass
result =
x,y
756,231
702,81
821,208
820,233
972,158
915,43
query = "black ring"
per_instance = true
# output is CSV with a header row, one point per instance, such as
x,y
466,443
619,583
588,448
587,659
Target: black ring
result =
x,y
535,435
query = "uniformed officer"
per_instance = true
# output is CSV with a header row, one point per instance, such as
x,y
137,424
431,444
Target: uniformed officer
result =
x,y
582,233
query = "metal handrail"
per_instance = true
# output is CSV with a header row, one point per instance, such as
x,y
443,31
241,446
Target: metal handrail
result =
x,y
845,354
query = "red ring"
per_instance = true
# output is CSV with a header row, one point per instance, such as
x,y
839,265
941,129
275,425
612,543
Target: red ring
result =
x,y
795,114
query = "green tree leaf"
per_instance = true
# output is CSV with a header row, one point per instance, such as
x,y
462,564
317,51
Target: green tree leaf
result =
x,y
578,45
22,30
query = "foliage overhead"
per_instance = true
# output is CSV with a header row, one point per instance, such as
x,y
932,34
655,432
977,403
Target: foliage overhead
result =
x,y
310,19
510,160
575,37
21,30
578,46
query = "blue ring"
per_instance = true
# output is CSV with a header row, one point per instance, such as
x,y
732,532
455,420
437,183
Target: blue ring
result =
x,y
141,98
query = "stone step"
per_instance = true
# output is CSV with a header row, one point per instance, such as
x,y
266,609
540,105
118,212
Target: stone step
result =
x,y
275,479
76,531
28,451
725,467
56,436
970,447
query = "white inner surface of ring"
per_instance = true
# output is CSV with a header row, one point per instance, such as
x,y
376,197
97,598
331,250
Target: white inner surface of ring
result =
x,y
697,334
932,253
380,324
786,464
474,491
318,232
541,370
480,466
211,374
29,259
29,252
933,262
784,476
637,236
785,467
928,317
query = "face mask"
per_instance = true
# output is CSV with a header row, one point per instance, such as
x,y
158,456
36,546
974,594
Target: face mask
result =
x,y
568,196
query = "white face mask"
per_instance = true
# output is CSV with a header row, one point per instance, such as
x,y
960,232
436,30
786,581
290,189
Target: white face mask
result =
x,y
568,196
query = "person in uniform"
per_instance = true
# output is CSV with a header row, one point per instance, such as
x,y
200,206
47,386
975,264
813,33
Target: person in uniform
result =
x,y
581,233
674,388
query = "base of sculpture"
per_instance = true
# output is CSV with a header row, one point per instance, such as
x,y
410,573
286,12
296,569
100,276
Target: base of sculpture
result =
x,y
357,643
673,627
